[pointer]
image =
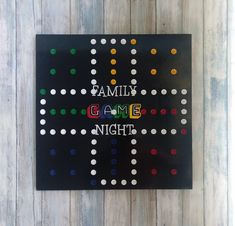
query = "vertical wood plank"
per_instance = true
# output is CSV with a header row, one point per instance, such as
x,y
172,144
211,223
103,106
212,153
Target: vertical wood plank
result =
x,y
28,199
215,91
193,199
143,202
56,204
87,206
8,113
117,203
231,113
169,202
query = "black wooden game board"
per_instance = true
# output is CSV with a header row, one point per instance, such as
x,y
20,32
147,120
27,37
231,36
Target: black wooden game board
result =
x,y
113,111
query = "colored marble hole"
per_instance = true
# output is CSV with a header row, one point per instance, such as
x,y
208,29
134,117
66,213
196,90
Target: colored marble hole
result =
x,y
113,51
173,151
63,111
153,151
153,51
52,71
43,92
133,41
83,111
53,111
73,151
113,61
73,71
113,82
173,172
174,71
73,111
173,51
73,51
113,72
153,71
154,172
53,51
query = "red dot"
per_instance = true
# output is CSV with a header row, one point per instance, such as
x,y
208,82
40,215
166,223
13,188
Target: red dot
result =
x,y
153,151
153,111
173,151
173,172
154,172
174,111
143,111
163,111
184,131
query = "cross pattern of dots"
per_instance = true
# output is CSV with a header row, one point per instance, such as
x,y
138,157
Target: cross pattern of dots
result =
x,y
113,112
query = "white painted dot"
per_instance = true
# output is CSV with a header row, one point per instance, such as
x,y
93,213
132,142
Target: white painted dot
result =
x,y
173,131
93,172
184,91
93,151
133,161
133,71
153,131
113,182
134,182
42,131
53,91
173,91
63,92
93,41
144,131
133,81
73,131
42,121
72,91
153,92
93,141
42,101
183,121
103,41
93,71
133,141
133,51
83,91
93,162
93,81
83,131
183,111
183,101
93,61
124,182
163,92
133,171
103,182
52,132
163,131
143,92
93,51
93,91
133,92
133,61
133,151
123,41
113,41
133,131
42,111
113,112
63,131
94,132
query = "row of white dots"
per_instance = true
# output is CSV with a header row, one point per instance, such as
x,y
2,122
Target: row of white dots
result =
x,y
114,182
164,92
64,91
113,41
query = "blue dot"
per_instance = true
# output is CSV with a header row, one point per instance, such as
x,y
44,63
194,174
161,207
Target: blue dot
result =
x,y
52,152
114,161
93,182
113,172
114,141
52,172
73,172
114,151
73,152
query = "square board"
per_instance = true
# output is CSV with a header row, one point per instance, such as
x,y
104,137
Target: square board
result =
x,y
113,112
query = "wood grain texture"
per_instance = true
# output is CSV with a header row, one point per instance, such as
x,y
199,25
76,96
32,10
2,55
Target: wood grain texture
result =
x,y
215,112
87,207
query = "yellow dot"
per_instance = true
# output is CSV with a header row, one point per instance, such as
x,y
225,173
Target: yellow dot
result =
x,y
173,51
153,71
113,82
113,61
113,51
133,41
153,51
173,71
113,72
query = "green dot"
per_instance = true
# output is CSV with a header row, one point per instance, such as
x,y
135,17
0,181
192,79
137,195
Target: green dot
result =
x,y
73,71
63,111
53,51
43,91
53,71
73,51
53,111
73,111
83,111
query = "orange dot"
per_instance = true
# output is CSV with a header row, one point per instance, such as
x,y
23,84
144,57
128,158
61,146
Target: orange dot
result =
x,y
153,51
113,61
173,71
153,71
113,51
173,51
113,72
133,41
113,82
